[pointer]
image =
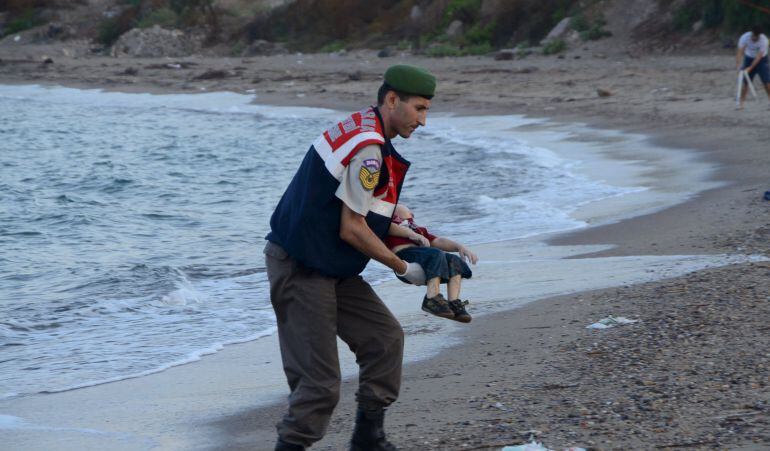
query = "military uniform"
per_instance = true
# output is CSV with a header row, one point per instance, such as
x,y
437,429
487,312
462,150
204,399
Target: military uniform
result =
x,y
315,286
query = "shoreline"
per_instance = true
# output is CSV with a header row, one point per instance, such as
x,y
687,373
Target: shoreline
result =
x,y
729,216
600,152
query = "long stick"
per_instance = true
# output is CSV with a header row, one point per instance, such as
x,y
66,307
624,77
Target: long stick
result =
x,y
751,85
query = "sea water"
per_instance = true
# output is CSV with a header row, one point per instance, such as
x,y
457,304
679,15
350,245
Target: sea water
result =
x,y
132,225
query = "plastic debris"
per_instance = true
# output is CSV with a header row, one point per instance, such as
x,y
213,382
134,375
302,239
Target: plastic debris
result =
x,y
531,446
536,446
611,321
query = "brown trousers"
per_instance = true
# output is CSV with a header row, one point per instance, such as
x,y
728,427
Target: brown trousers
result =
x,y
312,310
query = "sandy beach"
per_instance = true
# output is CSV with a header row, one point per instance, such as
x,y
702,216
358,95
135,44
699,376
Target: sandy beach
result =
x,y
693,373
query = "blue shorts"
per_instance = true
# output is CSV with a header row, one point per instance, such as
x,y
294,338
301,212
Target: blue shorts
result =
x,y
762,69
435,263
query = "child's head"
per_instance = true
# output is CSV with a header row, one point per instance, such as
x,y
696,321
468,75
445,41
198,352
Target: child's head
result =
x,y
403,212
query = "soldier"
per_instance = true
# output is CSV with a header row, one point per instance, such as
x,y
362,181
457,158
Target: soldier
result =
x,y
326,227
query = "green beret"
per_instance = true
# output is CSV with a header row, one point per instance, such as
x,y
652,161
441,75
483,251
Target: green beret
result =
x,y
411,80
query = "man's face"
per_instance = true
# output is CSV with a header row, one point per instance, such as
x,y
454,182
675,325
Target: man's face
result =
x,y
754,37
409,114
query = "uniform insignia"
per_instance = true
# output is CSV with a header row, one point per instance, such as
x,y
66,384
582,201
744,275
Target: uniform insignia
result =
x,y
369,178
372,163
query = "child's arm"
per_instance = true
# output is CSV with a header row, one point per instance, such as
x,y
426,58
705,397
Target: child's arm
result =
x,y
445,244
406,232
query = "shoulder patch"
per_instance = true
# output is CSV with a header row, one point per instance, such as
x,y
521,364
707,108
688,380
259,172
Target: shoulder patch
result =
x,y
369,175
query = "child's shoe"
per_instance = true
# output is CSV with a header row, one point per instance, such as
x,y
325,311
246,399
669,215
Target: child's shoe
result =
x,y
438,306
458,309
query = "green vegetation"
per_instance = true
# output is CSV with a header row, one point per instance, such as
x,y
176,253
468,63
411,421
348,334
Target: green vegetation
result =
x,y
590,30
163,17
22,15
479,34
237,48
380,23
555,46
334,46
463,10
23,21
442,50
684,18
404,44
728,15
165,13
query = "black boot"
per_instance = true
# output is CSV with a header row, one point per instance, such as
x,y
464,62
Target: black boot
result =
x,y
369,434
283,446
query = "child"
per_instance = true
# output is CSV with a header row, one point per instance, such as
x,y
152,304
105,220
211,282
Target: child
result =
x,y
415,244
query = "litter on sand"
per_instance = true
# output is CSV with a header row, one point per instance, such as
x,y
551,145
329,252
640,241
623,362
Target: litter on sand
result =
x,y
535,446
611,321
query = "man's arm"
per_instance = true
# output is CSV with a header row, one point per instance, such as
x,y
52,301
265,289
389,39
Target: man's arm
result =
x,y
739,56
356,232
754,63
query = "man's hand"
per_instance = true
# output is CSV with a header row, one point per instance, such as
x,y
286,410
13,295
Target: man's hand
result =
x,y
356,232
413,273
467,255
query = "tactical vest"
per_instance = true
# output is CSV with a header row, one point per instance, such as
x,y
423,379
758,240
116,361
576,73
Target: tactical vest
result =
x,y
306,222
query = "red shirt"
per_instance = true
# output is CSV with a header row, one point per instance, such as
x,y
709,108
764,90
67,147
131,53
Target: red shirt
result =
x,y
393,241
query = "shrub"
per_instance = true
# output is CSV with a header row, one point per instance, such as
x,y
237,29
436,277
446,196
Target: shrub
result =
x,y
334,46
109,30
478,49
164,17
24,21
579,23
442,50
594,33
479,34
404,44
464,10
684,18
590,30
554,46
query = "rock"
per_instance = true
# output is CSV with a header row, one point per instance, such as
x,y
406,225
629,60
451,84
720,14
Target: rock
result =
x,y
267,48
416,13
603,92
560,30
153,43
47,60
386,53
56,30
213,74
455,29
489,8
697,26
504,55
527,70
355,76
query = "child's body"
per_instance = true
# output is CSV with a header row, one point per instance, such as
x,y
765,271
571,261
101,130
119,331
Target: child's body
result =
x,y
415,244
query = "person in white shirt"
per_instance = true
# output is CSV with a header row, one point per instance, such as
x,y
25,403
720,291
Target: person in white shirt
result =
x,y
752,57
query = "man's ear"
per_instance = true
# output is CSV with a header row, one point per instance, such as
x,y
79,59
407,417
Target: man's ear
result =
x,y
391,98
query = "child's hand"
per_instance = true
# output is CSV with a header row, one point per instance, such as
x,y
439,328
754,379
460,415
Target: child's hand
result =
x,y
467,255
419,239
